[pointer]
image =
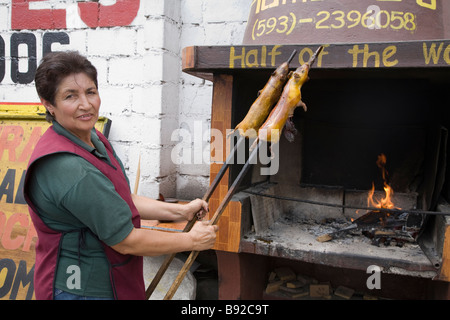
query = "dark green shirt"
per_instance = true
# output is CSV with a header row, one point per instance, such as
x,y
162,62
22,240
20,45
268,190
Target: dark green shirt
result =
x,y
70,193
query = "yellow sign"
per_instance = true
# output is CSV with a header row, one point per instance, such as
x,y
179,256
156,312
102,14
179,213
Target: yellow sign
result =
x,y
21,126
361,55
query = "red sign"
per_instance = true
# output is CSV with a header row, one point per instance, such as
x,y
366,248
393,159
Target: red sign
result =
x,y
32,15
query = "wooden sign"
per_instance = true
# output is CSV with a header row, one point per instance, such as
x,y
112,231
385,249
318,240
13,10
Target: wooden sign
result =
x,y
21,126
344,21
411,54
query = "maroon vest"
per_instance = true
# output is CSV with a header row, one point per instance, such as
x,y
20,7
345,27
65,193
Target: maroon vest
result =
x,y
126,271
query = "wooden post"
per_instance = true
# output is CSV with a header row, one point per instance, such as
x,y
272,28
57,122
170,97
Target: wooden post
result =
x,y
229,225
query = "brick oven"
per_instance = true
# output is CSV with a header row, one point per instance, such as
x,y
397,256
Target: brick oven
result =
x,y
365,99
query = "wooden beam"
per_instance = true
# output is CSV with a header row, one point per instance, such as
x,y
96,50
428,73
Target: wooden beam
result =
x,y
229,225
380,55
445,268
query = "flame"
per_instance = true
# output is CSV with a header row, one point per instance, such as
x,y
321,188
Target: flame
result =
x,y
385,202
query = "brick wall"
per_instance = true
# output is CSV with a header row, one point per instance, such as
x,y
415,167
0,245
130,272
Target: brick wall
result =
x,y
205,22
136,47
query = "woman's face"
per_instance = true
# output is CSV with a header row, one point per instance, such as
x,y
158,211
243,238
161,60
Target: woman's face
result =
x,y
77,103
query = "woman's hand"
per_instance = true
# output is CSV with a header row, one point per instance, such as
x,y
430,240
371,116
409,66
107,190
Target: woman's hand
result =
x,y
196,207
203,236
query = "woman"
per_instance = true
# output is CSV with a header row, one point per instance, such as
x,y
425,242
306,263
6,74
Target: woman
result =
x,y
90,244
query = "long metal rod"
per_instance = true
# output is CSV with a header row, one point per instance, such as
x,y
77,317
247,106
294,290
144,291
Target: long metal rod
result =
x,y
190,260
292,56
165,265
344,206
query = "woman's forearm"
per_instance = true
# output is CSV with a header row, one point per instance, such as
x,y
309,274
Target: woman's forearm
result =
x,y
151,209
144,242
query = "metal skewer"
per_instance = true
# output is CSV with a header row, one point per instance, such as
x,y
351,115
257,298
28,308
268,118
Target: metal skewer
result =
x,y
292,56
165,265
314,56
190,260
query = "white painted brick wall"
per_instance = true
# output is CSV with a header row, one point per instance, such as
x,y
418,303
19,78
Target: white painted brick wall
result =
x,y
143,90
205,22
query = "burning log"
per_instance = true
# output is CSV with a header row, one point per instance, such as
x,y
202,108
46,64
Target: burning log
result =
x,y
378,225
375,223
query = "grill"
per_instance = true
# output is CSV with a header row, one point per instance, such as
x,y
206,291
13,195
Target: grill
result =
x,y
365,182
312,213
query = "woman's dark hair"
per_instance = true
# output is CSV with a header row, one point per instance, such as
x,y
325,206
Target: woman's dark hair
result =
x,y
54,67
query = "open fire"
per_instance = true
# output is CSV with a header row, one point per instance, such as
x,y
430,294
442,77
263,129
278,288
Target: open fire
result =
x,y
381,226
385,202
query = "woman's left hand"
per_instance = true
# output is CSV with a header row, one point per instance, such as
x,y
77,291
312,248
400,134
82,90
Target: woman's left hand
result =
x,y
195,207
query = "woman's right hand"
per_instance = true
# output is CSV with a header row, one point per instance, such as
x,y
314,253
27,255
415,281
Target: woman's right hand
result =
x,y
203,235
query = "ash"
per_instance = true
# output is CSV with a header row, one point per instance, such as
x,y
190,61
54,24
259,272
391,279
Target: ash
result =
x,y
328,225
